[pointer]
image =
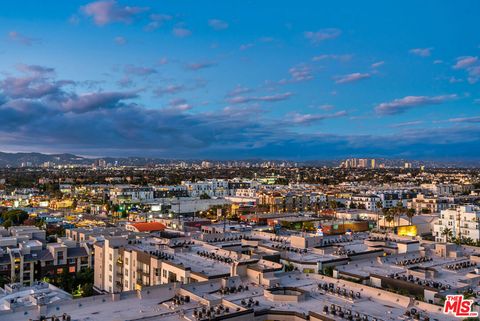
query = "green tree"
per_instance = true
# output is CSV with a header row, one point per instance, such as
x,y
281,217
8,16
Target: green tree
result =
x,y
410,215
378,208
204,196
448,233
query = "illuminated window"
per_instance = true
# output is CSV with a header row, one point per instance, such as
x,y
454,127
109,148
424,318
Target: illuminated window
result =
x,y
71,269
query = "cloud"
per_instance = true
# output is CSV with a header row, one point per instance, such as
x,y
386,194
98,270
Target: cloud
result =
x,y
163,61
139,70
473,74
218,24
179,104
125,82
35,83
465,62
20,38
304,119
100,122
301,73
408,124
156,21
342,58
36,88
377,64
421,52
270,98
454,80
471,65
95,101
199,65
246,46
475,119
181,32
239,90
109,11
169,90
316,37
35,69
120,40
351,77
326,107
401,105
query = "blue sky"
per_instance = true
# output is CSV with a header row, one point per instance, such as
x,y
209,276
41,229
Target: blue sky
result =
x,y
241,79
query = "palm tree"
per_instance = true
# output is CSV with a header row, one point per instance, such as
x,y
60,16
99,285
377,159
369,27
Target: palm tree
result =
x,y
410,214
399,210
386,212
448,233
333,205
379,207
390,215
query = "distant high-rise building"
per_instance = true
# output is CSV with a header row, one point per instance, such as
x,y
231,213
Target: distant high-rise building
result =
x,y
206,164
101,163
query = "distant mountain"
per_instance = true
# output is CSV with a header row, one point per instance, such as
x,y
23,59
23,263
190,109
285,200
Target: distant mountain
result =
x,y
36,159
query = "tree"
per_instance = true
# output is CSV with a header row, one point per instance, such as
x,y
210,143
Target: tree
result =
x,y
205,196
390,215
14,217
333,205
447,232
328,270
399,210
410,215
378,207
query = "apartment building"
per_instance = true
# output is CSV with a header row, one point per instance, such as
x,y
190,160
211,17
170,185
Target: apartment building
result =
x,y
25,256
368,202
289,201
131,194
123,264
391,198
462,221
430,204
211,187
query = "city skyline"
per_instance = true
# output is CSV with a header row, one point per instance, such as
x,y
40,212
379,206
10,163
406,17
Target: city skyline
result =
x,y
197,80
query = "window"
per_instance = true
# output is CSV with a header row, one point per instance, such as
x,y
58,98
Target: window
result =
x,y
126,260
110,268
71,269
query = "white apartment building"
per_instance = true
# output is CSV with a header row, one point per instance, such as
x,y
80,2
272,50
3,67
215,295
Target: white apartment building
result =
x,y
429,204
211,187
463,221
368,202
122,194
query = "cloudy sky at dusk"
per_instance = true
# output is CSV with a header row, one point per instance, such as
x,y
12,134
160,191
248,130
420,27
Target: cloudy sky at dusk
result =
x,y
241,79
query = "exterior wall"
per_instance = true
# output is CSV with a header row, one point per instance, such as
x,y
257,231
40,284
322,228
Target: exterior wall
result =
x,y
464,221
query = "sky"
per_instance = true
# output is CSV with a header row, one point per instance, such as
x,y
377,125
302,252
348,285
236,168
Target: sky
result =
x,y
241,79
